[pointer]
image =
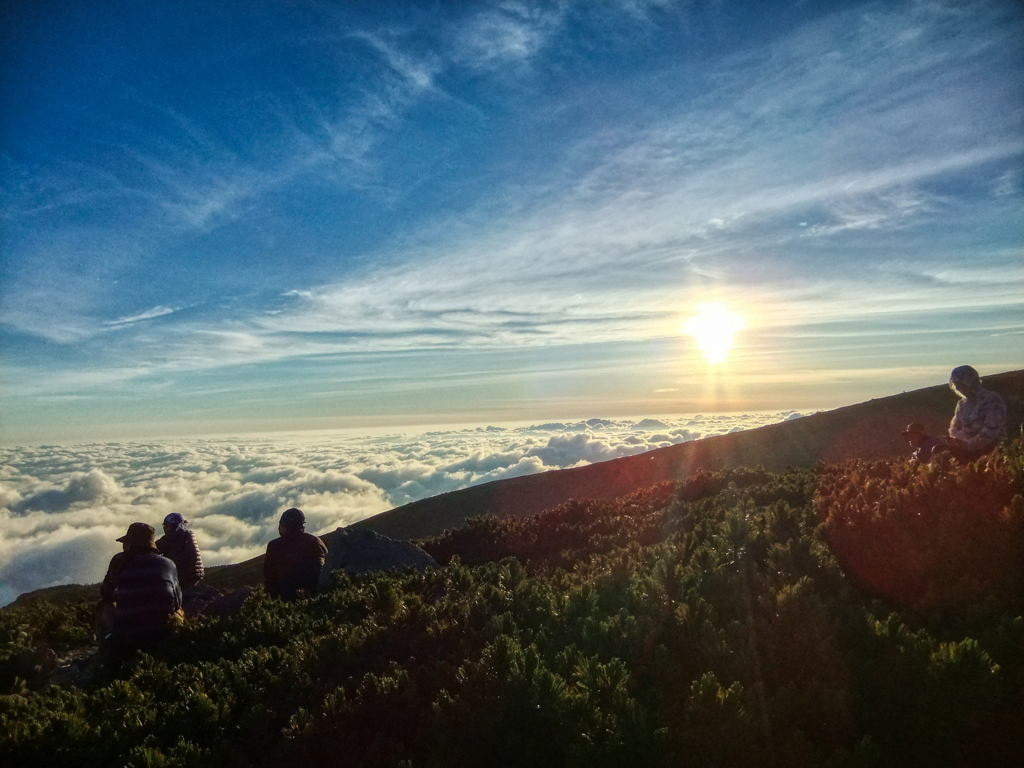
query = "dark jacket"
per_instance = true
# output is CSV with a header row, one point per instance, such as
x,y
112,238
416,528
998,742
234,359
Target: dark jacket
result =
x,y
180,546
143,585
924,452
293,562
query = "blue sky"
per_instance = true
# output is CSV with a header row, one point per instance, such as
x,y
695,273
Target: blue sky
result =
x,y
246,216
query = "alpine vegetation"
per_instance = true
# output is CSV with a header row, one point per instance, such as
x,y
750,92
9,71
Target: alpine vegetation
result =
x,y
848,615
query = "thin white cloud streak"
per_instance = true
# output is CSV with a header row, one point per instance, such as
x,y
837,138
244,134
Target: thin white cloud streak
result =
x,y
62,507
514,33
520,275
341,148
27,193
62,275
149,314
417,72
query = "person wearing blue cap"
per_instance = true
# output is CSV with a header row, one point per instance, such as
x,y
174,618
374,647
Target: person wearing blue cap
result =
x,y
179,544
979,421
294,561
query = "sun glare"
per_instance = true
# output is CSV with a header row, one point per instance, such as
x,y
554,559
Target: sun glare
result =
x,y
714,328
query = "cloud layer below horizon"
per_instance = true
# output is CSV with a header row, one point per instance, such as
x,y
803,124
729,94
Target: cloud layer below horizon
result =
x,y
62,507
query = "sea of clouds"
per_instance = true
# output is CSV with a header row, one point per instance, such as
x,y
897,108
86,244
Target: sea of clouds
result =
x,y
62,507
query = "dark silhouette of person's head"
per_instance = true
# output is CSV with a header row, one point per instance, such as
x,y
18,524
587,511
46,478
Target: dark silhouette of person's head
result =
x,y
915,434
292,521
141,537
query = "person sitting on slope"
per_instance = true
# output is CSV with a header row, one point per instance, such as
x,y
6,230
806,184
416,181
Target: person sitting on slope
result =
x,y
140,598
926,445
293,561
179,544
979,421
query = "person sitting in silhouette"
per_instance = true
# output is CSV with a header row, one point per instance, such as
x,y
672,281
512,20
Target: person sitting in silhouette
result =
x,y
926,445
293,561
179,544
140,597
979,421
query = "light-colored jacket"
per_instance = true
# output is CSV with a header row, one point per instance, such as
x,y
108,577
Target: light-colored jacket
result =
x,y
979,421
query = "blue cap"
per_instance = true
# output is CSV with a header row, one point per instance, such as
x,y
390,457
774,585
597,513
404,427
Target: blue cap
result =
x,y
174,519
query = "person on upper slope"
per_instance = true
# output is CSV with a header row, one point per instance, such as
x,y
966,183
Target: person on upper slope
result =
x,y
179,544
140,596
979,421
293,561
926,445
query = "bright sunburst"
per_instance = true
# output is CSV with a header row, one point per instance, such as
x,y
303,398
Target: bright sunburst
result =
x,y
714,328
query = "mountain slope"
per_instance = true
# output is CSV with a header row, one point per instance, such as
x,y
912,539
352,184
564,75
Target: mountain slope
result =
x,y
869,431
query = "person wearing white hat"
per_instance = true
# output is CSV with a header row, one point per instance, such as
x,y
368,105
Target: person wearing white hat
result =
x,y
979,421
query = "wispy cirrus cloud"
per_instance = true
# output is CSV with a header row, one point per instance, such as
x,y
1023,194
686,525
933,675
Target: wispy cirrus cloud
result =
x,y
513,32
417,72
149,314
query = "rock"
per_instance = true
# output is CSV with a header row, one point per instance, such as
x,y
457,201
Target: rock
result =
x,y
196,600
79,668
228,604
358,551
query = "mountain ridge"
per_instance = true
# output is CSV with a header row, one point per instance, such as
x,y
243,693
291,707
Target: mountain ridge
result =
x,y
869,431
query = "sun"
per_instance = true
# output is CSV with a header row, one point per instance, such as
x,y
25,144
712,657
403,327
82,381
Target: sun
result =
x,y
714,328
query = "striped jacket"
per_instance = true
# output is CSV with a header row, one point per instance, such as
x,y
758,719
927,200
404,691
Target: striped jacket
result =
x,y
143,585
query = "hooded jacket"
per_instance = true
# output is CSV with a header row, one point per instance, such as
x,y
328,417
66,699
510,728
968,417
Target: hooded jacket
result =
x,y
979,421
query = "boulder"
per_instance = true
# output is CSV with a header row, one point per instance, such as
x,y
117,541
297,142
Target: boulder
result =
x,y
197,599
227,604
358,551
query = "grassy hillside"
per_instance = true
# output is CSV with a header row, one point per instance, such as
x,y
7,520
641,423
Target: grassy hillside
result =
x,y
854,614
